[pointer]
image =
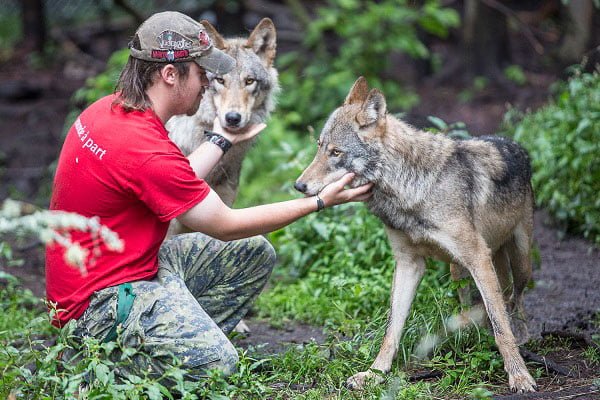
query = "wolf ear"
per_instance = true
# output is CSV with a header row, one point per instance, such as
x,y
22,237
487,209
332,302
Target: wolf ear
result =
x,y
373,109
215,36
358,92
263,40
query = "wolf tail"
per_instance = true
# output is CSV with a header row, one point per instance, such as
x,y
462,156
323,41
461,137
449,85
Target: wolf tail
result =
x,y
476,316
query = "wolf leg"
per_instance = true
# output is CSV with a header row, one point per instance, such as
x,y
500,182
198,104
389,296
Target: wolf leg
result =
x,y
477,259
520,260
407,276
502,267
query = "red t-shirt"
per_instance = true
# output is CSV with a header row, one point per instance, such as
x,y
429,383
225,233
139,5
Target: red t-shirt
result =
x,y
123,168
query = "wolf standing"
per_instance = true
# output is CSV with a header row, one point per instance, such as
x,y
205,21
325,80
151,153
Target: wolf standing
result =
x,y
181,297
467,202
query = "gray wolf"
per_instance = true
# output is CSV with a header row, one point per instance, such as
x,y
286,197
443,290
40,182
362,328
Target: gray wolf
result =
x,y
467,202
242,97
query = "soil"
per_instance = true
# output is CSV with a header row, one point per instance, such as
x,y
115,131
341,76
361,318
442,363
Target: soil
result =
x,y
565,296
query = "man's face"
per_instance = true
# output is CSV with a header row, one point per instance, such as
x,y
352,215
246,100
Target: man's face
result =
x,y
191,88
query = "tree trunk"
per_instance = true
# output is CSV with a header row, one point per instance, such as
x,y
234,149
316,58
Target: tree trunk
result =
x,y
230,17
485,40
579,15
33,25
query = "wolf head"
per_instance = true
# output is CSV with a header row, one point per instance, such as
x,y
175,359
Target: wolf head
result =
x,y
245,95
350,141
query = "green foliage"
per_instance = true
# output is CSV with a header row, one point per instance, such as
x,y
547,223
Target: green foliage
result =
x,y
273,164
97,86
515,73
350,38
563,139
36,368
479,84
10,32
343,264
103,83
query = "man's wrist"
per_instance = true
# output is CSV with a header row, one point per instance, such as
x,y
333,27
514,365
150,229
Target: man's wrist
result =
x,y
218,140
320,203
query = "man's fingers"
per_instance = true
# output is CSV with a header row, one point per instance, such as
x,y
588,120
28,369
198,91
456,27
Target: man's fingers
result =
x,y
217,125
249,134
363,197
359,190
346,179
255,130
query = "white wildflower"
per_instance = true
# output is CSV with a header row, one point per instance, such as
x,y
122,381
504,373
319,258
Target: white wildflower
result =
x,y
54,227
46,235
10,209
77,256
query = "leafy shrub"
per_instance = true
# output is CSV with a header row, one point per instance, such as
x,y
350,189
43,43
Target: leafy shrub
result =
x,y
350,38
563,139
97,86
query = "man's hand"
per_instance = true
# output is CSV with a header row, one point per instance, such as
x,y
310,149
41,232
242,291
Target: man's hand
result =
x,y
250,132
335,193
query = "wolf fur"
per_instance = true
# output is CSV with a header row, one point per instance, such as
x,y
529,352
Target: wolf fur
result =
x,y
244,96
468,202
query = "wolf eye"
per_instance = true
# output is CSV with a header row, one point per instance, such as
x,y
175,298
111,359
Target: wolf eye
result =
x,y
220,80
250,81
336,153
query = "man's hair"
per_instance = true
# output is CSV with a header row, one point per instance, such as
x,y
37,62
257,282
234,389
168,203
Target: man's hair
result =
x,y
137,76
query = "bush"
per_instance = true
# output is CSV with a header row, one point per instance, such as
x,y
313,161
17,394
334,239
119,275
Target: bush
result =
x,y
350,38
563,139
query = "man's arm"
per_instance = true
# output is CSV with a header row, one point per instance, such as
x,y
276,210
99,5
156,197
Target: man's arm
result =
x,y
212,217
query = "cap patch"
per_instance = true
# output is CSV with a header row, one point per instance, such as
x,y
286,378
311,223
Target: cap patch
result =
x,y
170,55
204,40
172,40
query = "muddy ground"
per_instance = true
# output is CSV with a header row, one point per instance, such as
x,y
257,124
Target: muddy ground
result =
x,y
565,297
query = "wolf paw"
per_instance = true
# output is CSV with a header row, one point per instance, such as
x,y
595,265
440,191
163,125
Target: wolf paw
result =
x,y
360,380
522,383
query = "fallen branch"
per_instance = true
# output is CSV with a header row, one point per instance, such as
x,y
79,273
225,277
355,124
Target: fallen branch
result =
x,y
584,338
537,46
422,376
547,363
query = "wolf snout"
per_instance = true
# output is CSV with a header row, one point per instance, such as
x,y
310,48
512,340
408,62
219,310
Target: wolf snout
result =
x,y
300,186
233,119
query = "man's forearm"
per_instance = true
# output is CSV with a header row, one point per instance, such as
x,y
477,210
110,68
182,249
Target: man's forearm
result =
x,y
204,159
267,218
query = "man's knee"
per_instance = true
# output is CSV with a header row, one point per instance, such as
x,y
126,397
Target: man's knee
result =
x,y
265,249
226,364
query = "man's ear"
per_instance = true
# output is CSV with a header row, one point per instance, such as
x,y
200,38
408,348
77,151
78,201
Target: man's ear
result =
x,y
169,74
263,41
217,39
358,92
373,109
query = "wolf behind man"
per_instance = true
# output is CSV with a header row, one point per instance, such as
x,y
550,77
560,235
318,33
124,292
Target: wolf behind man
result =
x,y
467,202
243,97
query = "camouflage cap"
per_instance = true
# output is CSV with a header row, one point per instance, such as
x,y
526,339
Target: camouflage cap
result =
x,y
171,36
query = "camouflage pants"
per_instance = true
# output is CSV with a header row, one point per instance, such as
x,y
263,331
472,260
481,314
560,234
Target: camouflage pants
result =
x,y
202,290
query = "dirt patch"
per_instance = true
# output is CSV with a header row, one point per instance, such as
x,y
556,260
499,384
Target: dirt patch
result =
x,y
565,295
266,339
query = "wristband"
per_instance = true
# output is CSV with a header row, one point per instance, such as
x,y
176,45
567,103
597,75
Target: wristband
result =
x,y
320,203
221,141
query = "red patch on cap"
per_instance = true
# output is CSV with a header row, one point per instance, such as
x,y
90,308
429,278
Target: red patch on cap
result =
x,y
204,40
